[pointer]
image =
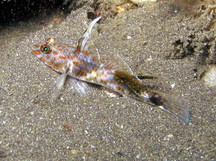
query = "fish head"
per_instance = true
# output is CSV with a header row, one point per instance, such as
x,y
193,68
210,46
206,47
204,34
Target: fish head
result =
x,y
53,55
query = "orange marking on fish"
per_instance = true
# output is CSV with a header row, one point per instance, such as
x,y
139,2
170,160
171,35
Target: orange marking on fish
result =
x,y
47,56
85,52
94,69
94,58
104,75
50,63
48,39
72,57
119,88
36,52
60,65
75,63
109,66
103,81
42,59
54,58
55,67
84,73
55,53
78,48
62,57
88,79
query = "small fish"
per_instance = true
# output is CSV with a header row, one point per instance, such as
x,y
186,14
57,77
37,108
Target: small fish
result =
x,y
83,69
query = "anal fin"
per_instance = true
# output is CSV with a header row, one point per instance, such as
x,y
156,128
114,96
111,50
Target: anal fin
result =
x,y
78,86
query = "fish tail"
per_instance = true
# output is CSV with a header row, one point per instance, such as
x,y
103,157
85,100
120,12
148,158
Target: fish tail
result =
x,y
176,107
136,90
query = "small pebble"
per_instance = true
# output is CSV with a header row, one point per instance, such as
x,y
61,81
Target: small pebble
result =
x,y
210,77
73,151
140,2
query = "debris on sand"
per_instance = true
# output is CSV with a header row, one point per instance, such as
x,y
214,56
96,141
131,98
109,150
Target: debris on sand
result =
x,y
140,2
210,77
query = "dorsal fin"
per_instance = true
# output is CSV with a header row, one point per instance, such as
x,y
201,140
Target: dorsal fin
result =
x,y
83,40
116,62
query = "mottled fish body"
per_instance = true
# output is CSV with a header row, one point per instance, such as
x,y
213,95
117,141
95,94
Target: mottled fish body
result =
x,y
81,66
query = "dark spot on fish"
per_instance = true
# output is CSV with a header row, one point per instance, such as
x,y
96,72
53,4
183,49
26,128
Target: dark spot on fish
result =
x,y
156,100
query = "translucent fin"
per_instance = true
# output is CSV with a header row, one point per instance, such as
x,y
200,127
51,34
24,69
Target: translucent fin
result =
x,y
83,40
56,91
116,62
179,109
120,64
175,106
78,86
111,94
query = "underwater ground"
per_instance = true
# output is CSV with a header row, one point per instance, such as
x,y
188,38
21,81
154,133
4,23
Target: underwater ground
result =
x,y
171,40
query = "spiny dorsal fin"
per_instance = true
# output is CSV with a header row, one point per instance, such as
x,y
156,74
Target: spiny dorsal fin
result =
x,y
116,62
83,40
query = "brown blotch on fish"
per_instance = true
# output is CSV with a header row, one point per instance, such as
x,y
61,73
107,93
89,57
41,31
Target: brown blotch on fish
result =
x,y
128,80
60,65
84,73
103,81
108,66
38,46
55,67
47,56
94,58
119,88
54,58
94,69
75,63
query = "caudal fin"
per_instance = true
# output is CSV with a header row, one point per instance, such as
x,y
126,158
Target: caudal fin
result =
x,y
177,109
177,106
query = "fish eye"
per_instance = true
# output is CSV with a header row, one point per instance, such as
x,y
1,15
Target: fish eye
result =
x,y
46,49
